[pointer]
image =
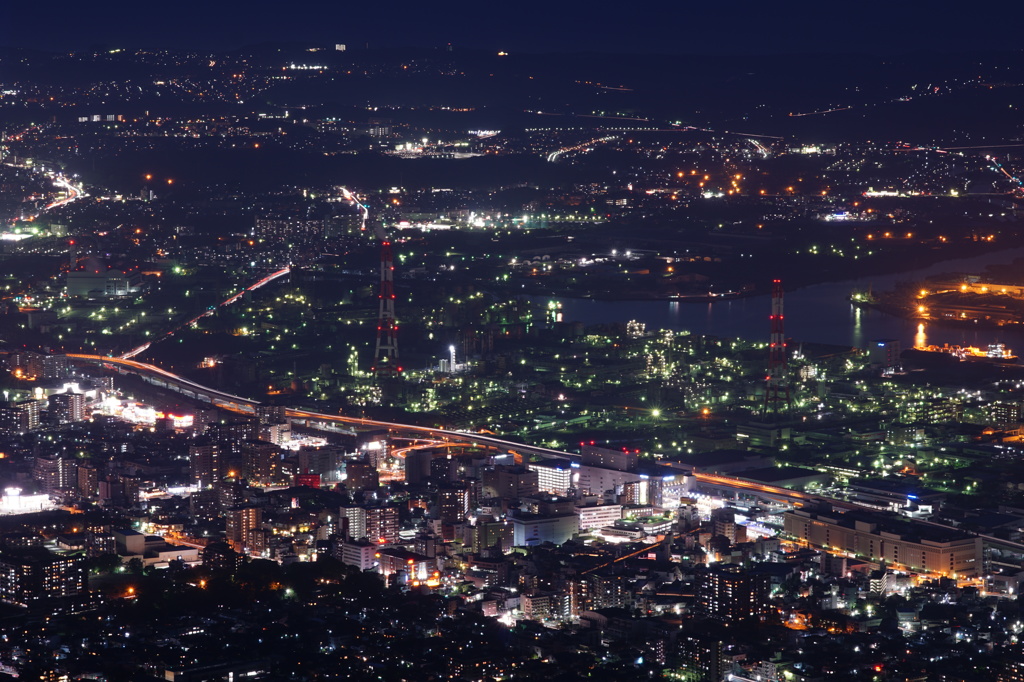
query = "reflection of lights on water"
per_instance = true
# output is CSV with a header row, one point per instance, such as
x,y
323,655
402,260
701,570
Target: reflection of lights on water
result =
x,y
920,339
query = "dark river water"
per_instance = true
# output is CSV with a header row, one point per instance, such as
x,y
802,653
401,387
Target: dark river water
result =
x,y
815,314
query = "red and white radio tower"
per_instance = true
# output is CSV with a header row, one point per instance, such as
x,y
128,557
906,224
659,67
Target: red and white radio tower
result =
x,y
776,397
385,357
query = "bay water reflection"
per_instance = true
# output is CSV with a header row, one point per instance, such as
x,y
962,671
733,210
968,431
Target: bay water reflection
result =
x,y
819,313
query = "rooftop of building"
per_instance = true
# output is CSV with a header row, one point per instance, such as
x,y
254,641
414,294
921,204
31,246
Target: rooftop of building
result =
x,y
907,529
714,457
779,474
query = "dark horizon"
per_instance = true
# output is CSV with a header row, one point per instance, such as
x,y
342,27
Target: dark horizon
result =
x,y
742,28
101,47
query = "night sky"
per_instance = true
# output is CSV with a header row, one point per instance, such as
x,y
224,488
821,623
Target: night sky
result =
x,y
663,26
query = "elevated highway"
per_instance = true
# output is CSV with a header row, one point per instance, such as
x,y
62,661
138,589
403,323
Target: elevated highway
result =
x,y
235,403
229,401
169,380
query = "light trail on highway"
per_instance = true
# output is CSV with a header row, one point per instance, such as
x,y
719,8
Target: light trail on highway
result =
x,y
234,297
355,200
437,434
226,302
73,193
446,436
248,405
582,146
145,368
442,437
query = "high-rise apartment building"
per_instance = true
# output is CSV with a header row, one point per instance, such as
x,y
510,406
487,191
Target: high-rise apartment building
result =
x,y
26,578
239,523
68,408
453,503
205,464
730,593
55,474
382,524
